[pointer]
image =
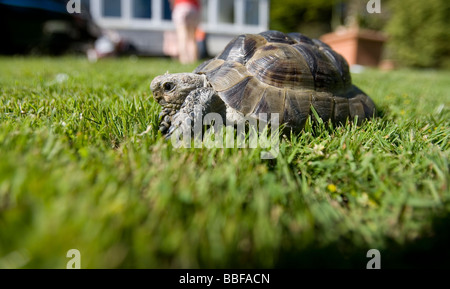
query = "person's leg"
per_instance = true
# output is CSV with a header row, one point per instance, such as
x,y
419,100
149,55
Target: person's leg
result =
x,y
179,19
182,39
191,48
186,18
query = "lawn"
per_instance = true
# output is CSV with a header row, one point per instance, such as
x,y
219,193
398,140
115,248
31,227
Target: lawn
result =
x,y
83,167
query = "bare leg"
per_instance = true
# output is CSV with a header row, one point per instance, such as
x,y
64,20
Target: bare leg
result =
x,y
186,19
182,39
192,50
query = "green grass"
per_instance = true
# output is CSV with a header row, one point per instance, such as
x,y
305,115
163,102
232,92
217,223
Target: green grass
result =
x,y
76,172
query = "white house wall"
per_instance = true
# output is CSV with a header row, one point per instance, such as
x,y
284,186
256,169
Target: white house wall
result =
x,y
147,34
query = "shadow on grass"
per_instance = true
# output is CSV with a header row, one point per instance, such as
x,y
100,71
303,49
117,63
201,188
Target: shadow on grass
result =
x,y
430,252
381,112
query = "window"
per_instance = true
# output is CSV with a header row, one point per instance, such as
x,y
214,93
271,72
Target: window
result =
x,y
111,8
167,12
85,8
86,4
251,12
226,11
142,9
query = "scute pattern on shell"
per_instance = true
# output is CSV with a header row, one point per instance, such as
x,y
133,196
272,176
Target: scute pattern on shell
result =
x,y
286,73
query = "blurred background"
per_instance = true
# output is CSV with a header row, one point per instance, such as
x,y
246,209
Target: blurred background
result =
x,y
404,32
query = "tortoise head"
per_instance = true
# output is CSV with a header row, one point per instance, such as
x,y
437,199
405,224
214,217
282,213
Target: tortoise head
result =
x,y
170,91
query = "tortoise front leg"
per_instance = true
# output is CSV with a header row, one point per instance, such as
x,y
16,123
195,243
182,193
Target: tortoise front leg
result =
x,y
198,103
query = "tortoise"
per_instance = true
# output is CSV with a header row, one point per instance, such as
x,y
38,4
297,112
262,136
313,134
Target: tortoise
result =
x,y
269,72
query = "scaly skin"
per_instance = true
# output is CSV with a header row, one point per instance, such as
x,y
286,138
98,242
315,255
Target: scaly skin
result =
x,y
171,90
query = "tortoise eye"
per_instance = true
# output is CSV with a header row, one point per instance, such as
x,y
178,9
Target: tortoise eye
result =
x,y
168,86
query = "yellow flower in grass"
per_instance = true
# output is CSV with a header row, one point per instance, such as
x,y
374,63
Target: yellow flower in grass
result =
x,y
332,188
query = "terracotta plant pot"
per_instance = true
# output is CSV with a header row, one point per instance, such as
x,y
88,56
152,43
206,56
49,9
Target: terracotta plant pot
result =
x,y
357,46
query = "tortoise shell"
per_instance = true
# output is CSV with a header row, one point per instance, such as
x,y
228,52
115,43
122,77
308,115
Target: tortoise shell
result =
x,y
273,72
